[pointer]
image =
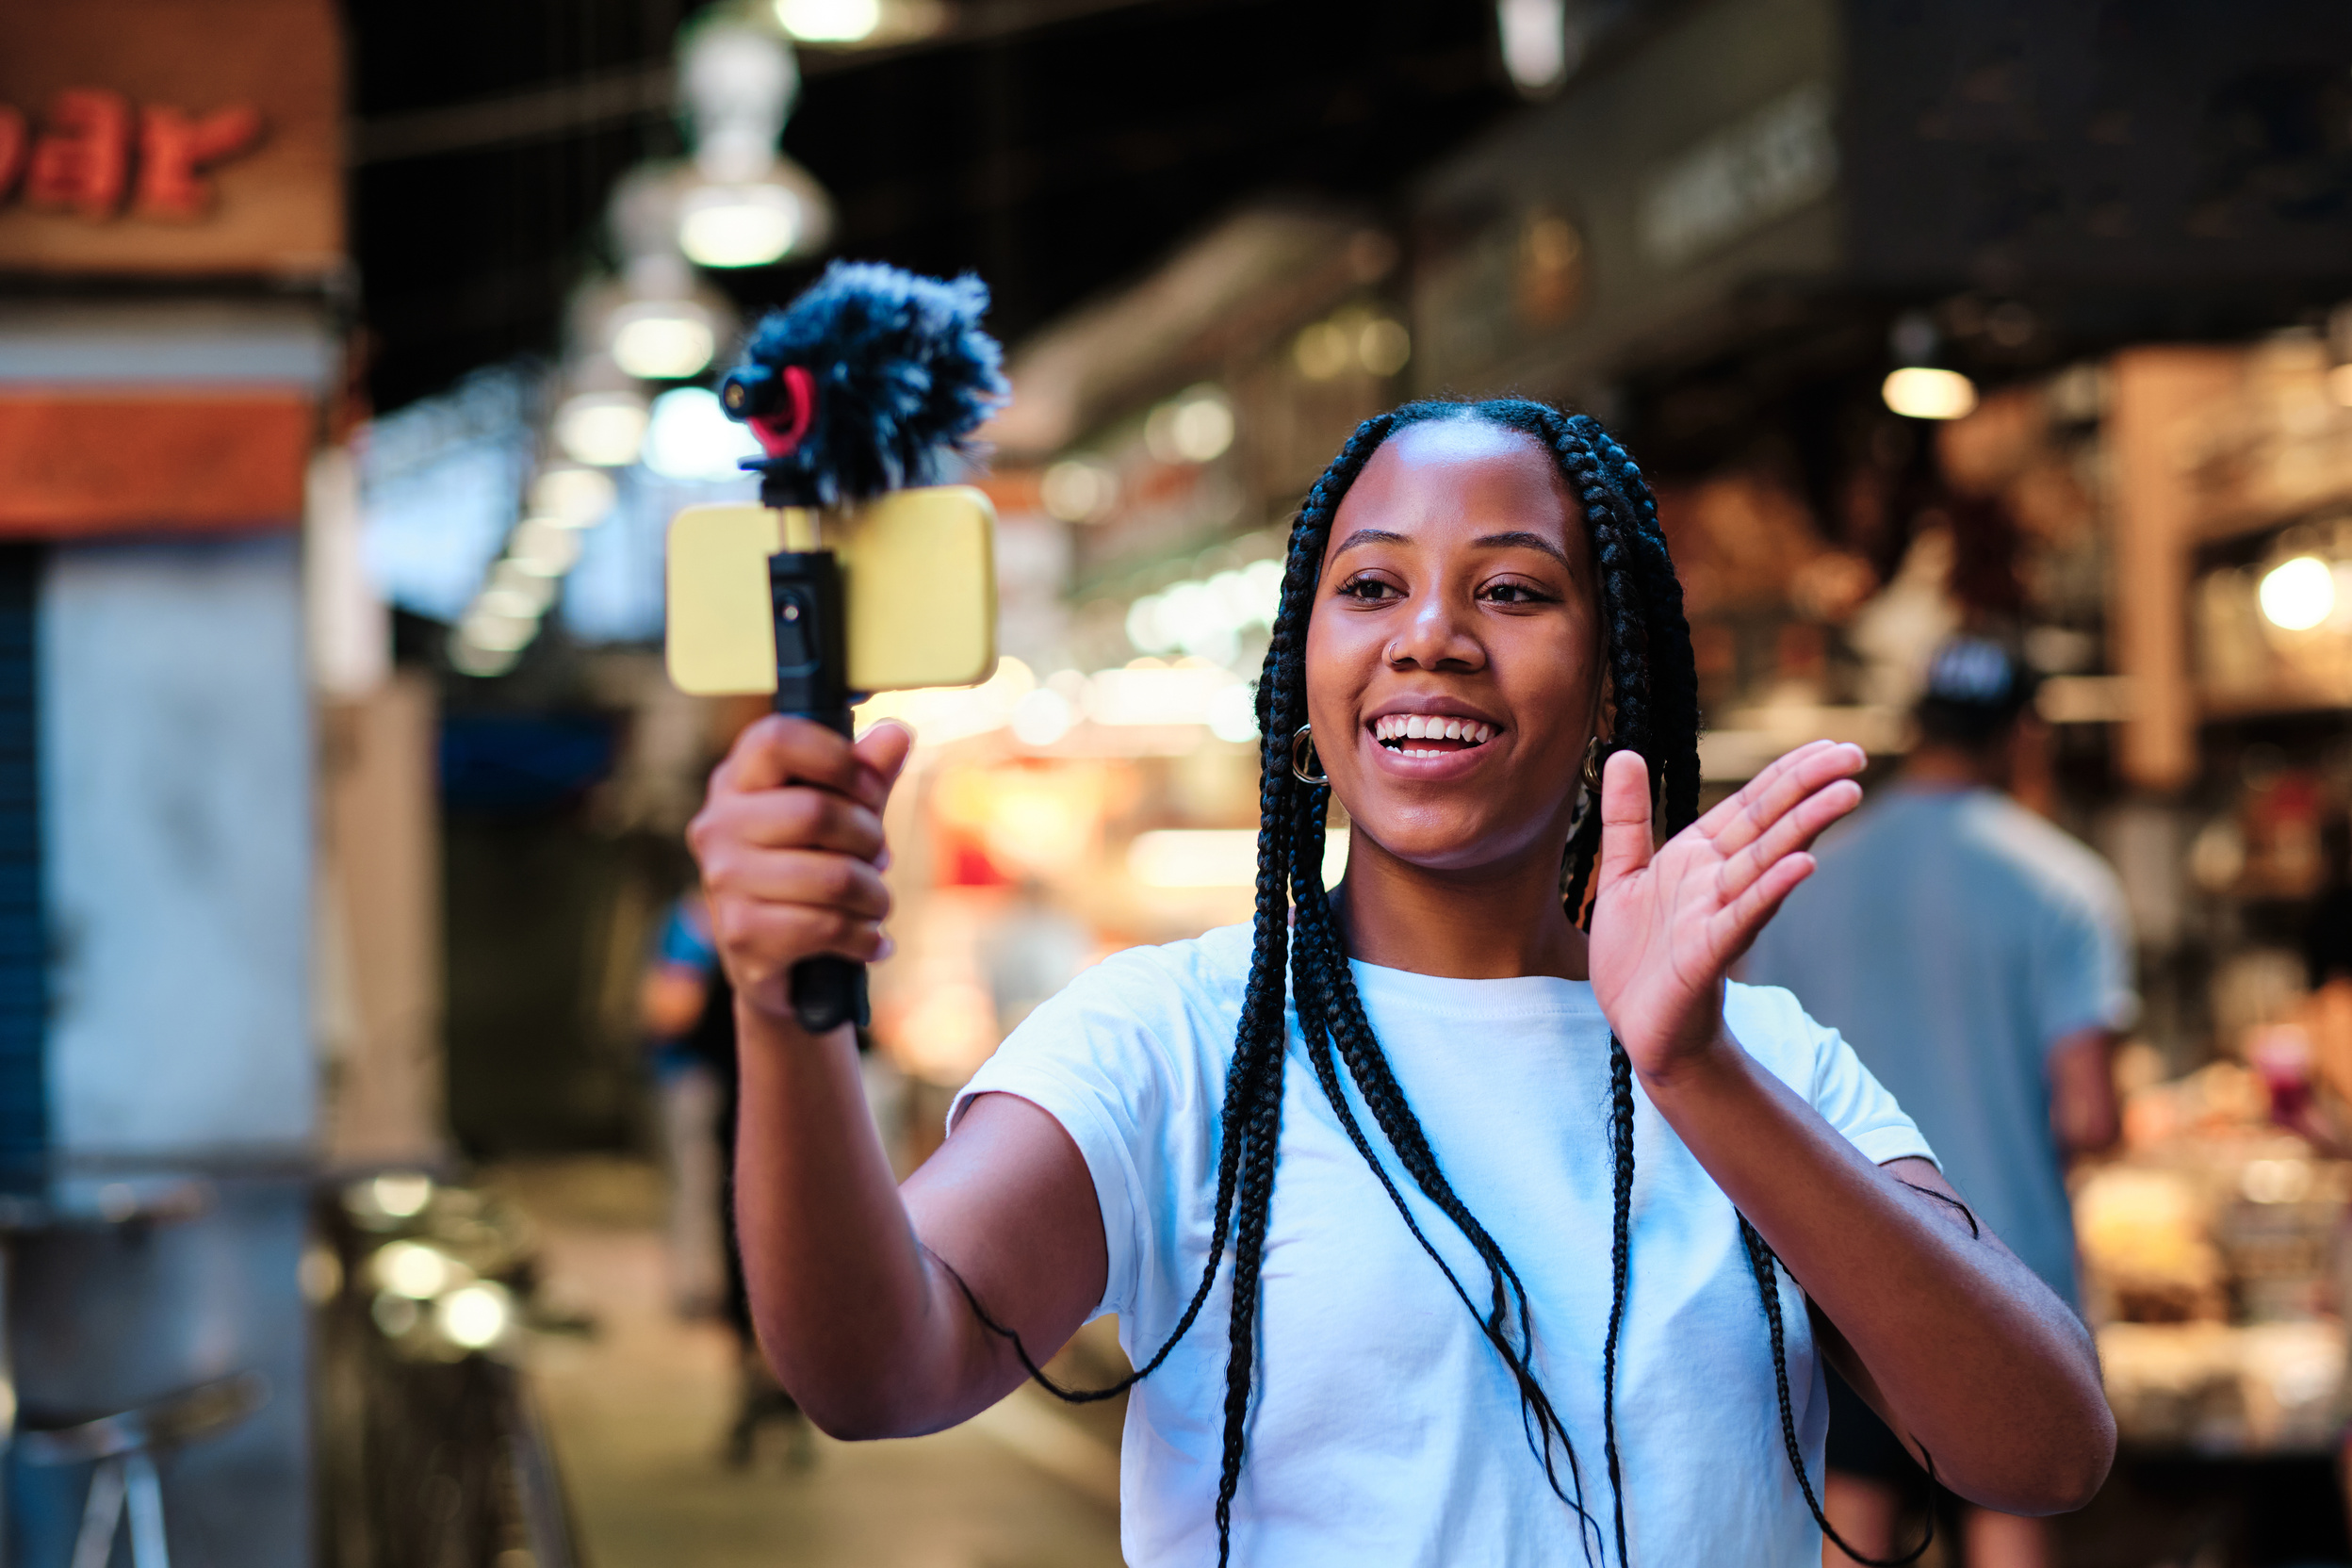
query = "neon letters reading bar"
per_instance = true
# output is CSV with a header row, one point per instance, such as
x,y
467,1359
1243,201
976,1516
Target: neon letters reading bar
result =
x,y
94,148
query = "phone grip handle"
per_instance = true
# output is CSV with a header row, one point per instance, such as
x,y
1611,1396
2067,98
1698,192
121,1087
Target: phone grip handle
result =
x,y
804,588
827,992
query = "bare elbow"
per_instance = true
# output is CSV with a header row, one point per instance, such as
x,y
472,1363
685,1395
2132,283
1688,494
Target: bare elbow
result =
x,y
847,1424
2069,1478
2098,1459
854,1410
2072,1491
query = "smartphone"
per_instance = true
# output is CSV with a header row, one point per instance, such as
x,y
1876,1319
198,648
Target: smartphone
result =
x,y
919,575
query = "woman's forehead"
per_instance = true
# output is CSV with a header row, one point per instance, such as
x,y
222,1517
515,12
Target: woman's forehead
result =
x,y
1444,473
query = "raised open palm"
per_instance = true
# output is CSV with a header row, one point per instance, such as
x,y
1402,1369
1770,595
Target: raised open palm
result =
x,y
1667,923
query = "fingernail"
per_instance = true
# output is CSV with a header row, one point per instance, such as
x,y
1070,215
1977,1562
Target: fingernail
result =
x,y
886,948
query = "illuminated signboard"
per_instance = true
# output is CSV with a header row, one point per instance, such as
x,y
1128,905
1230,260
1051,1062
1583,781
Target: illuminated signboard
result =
x,y
79,159
170,136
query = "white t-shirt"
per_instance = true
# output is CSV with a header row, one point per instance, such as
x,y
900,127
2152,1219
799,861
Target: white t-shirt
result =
x,y
1385,1429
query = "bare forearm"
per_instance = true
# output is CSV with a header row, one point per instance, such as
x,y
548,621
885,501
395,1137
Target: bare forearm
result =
x,y
1979,1362
856,1317
854,1301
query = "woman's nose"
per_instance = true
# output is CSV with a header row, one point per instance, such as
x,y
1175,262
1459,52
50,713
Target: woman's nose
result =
x,y
1437,636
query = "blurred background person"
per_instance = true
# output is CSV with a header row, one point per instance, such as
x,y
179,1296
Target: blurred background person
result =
x,y
1978,959
687,999
673,1001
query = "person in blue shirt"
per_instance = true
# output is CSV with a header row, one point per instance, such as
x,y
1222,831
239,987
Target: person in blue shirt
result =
x,y
672,996
1977,958
688,1009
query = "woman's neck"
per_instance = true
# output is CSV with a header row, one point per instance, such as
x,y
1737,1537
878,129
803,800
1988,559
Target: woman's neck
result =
x,y
1487,922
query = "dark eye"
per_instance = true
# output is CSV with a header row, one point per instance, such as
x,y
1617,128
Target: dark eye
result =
x,y
1509,592
1371,590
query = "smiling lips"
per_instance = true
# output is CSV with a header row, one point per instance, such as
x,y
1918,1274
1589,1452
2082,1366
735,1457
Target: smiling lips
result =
x,y
1438,734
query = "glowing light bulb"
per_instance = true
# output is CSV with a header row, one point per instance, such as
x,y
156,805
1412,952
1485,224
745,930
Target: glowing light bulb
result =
x,y
1535,44
517,594
602,429
830,21
746,225
403,1196
412,1269
1077,490
692,437
495,632
544,547
2297,594
1923,392
467,657
572,496
661,341
475,1316
1321,351
1194,428
1383,346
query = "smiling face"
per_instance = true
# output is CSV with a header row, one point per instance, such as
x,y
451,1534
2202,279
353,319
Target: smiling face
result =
x,y
1453,655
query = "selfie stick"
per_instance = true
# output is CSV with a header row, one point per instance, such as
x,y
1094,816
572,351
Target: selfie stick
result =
x,y
872,380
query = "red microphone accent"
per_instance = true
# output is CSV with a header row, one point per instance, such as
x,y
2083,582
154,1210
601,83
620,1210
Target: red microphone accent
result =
x,y
780,434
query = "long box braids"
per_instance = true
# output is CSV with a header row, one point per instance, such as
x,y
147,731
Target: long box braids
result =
x,y
1296,952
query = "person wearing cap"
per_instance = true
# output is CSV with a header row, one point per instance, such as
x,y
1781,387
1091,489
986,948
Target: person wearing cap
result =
x,y
1977,959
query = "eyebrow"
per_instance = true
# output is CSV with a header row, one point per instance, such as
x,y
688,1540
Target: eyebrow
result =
x,y
1369,536
1520,538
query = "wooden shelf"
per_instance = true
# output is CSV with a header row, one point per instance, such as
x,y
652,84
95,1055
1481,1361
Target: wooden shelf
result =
x,y
2282,702
2226,527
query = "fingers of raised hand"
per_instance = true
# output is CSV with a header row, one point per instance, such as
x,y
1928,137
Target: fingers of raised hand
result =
x,y
763,940
1734,805
792,817
815,877
1750,813
783,748
1625,815
772,907
1734,928
1793,831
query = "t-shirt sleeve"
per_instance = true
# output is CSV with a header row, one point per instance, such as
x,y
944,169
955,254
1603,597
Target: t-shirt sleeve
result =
x,y
684,944
1816,1061
1092,1059
2082,976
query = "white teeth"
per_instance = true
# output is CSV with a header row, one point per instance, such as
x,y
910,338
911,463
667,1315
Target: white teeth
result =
x,y
1417,727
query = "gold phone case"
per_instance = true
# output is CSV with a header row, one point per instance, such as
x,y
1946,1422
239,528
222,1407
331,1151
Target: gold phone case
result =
x,y
919,573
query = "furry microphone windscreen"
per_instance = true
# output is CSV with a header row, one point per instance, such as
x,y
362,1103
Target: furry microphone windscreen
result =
x,y
901,375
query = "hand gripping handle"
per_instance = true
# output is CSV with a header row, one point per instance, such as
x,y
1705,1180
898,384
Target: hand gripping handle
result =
x,y
811,662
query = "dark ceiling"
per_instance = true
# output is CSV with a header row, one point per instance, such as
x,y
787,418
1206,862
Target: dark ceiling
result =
x,y
1055,146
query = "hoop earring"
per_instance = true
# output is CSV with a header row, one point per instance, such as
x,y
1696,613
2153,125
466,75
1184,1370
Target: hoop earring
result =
x,y
1301,746
1592,778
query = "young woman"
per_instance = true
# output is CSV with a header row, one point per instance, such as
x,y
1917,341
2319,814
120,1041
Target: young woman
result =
x,y
1524,1229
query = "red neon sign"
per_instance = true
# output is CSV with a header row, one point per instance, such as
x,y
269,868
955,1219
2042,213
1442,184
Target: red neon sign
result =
x,y
82,158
